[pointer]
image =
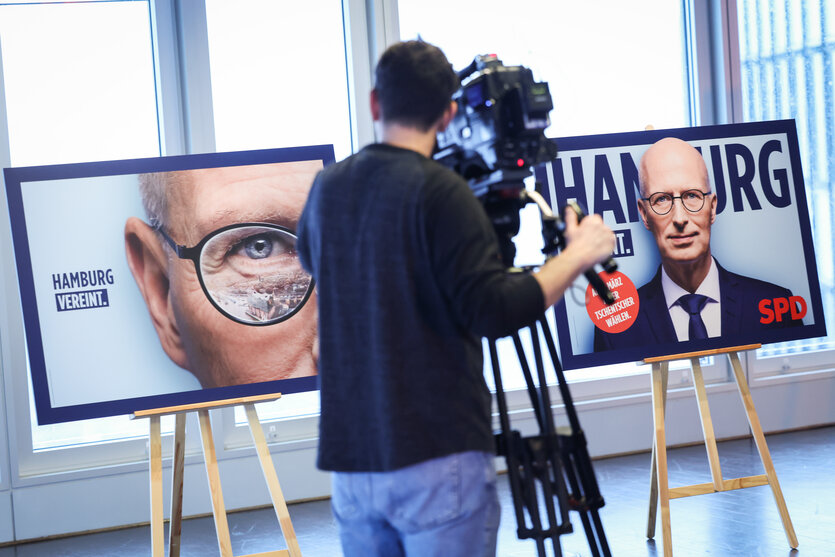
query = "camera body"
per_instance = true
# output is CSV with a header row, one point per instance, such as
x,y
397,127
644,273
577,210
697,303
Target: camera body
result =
x,y
498,133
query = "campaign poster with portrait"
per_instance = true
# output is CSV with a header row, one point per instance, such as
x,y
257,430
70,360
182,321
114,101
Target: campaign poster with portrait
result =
x,y
156,282
715,263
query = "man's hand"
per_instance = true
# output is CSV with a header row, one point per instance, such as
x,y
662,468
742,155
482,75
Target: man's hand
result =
x,y
587,243
593,240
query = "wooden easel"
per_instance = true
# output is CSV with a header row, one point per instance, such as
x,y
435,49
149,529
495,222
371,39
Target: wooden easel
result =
x,y
178,466
659,488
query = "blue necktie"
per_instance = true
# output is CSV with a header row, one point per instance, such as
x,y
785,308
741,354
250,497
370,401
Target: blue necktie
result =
x,y
693,305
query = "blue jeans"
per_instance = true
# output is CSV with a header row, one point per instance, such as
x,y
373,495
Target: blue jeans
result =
x,y
442,507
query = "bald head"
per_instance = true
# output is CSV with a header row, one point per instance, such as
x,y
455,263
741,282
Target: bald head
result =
x,y
672,157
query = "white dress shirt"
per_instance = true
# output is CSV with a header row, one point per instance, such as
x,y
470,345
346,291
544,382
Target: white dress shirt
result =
x,y
711,313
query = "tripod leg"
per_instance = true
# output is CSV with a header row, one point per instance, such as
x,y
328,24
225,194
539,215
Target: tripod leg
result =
x,y
598,524
571,472
508,438
583,468
579,449
536,402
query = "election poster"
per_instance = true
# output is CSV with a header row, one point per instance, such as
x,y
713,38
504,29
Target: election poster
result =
x,y
714,244
154,282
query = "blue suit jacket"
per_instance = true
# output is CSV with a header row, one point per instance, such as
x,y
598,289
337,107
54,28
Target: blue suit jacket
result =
x,y
739,297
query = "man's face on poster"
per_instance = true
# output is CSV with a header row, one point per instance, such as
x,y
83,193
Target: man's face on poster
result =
x,y
194,331
673,171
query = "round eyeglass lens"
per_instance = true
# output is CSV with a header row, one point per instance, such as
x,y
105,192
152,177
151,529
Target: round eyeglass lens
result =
x,y
693,200
253,274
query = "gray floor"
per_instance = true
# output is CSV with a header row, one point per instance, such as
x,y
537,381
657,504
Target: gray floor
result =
x,y
739,523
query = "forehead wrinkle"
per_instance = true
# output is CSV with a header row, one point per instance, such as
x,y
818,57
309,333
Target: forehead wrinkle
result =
x,y
193,218
226,217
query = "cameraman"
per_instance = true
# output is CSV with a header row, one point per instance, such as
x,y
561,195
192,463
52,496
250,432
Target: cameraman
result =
x,y
409,278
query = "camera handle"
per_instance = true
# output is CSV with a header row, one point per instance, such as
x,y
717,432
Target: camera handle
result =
x,y
553,233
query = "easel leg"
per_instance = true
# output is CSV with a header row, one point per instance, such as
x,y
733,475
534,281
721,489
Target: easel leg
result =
x,y
653,482
658,410
219,510
155,461
707,424
177,470
272,481
762,447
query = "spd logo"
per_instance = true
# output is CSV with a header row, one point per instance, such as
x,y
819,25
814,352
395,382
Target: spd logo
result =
x,y
776,310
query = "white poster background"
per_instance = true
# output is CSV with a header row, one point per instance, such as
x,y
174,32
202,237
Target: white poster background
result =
x,y
95,354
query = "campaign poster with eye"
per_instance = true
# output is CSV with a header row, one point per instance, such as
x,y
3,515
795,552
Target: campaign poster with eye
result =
x,y
714,243
155,282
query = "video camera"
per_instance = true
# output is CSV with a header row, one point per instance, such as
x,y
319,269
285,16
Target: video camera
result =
x,y
494,140
498,133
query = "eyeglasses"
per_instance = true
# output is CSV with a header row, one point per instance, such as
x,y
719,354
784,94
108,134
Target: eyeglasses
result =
x,y
250,272
662,203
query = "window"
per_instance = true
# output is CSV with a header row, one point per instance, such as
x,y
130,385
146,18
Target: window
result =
x,y
279,79
79,85
787,52
605,73
79,81
279,74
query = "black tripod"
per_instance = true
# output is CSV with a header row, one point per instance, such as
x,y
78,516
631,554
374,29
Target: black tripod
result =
x,y
554,464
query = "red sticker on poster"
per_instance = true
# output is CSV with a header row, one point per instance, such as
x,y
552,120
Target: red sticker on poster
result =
x,y
619,316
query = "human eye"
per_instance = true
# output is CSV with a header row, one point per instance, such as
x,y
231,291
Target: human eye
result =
x,y
265,247
258,246
661,199
692,195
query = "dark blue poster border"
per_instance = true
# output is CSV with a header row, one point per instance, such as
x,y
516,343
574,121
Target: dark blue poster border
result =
x,y
15,177
571,146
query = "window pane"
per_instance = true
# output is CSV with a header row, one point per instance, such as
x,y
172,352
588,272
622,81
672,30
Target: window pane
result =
x,y
602,60
79,84
279,75
787,53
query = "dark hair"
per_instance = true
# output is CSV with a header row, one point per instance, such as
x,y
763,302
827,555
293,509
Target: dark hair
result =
x,y
414,84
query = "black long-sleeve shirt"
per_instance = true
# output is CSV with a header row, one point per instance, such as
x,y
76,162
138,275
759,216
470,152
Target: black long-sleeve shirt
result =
x,y
409,278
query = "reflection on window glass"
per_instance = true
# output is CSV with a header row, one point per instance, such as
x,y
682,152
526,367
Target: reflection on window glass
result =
x,y
79,85
612,66
279,75
787,51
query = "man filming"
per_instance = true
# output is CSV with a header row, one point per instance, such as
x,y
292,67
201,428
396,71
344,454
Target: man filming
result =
x,y
409,278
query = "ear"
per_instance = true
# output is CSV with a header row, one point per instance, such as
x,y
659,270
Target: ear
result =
x,y
713,203
448,115
148,263
376,111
